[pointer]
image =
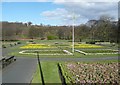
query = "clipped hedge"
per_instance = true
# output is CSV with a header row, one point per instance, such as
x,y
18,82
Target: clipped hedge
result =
x,y
91,42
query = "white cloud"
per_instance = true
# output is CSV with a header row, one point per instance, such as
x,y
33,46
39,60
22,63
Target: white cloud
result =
x,y
63,1
60,1
57,13
83,10
92,10
60,14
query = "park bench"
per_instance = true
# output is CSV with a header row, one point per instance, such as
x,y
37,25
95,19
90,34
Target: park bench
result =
x,y
10,59
2,62
7,60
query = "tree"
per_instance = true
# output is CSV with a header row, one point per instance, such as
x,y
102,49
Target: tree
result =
x,y
106,18
29,23
105,29
81,32
61,33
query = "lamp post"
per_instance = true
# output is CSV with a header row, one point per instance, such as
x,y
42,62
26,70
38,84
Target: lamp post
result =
x,y
73,35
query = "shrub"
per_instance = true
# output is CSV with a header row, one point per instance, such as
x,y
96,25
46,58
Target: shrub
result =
x,y
30,41
18,42
90,42
11,45
51,37
43,38
3,46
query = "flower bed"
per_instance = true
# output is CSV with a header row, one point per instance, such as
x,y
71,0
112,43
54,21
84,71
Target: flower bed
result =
x,y
36,46
93,72
98,51
46,52
87,46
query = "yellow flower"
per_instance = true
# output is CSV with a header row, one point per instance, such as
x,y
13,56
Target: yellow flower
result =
x,y
29,46
87,46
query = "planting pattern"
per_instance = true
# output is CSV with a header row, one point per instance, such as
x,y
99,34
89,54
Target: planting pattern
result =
x,y
94,72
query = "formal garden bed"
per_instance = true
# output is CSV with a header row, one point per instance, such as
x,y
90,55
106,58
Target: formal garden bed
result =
x,y
87,46
43,49
46,52
91,72
97,51
53,46
36,46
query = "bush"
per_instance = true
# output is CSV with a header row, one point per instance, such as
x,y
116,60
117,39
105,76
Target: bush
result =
x,y
3,46
51,37
18,42
43,38
30,41
112,41
11,45
90,42
10,40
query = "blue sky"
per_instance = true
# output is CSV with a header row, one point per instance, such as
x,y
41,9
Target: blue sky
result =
x,y
27,11
57,13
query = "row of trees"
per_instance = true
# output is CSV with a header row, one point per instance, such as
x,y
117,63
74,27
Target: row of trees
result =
x,y
103,29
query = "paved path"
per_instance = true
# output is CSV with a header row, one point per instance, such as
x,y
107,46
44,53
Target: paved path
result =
x,y
20,71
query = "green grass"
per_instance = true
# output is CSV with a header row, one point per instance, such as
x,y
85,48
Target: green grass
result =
x,y
47,52
50,73
50,70
63,44
36,76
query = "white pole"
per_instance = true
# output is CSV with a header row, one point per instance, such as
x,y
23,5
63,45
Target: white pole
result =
x,y
73,40
73,33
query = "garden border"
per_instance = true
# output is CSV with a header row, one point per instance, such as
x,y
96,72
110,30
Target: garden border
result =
x,y
82,52
66,51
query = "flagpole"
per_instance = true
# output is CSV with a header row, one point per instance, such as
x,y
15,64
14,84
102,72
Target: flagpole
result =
x,y
73,35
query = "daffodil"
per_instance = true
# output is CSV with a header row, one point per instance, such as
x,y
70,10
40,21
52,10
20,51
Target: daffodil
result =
x,y
36,46
87,46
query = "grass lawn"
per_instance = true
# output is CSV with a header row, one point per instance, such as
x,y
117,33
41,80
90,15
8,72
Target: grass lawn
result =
x,y
63,45
50,69
50,73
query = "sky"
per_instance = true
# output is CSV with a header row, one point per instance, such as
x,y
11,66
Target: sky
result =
x,y
57,12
